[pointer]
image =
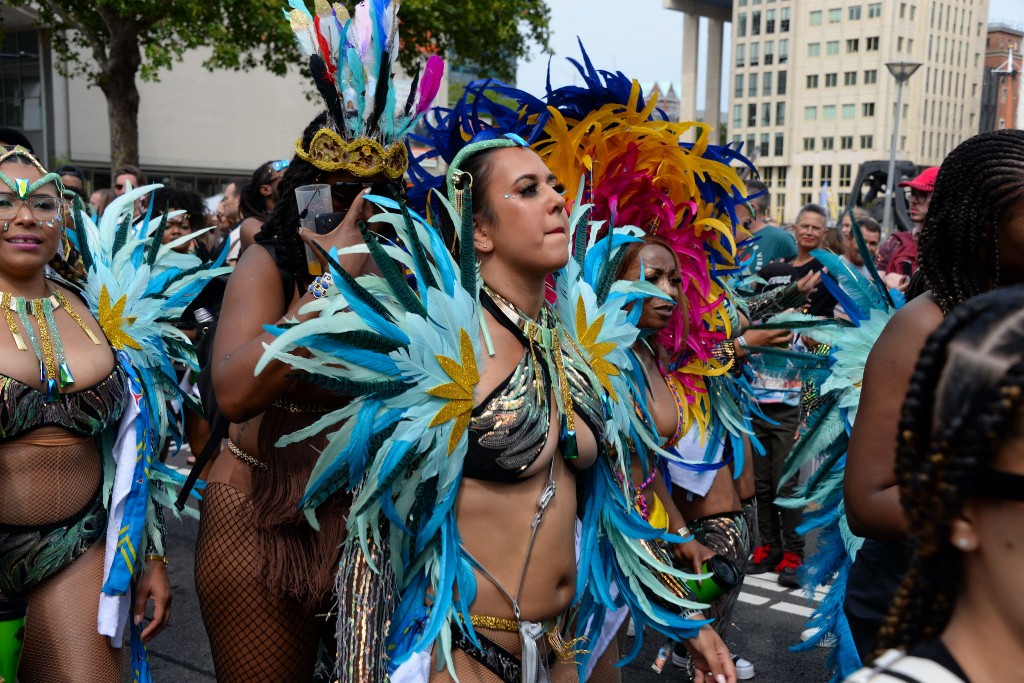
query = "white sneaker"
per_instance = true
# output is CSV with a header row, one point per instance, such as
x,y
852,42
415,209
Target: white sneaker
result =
x,y
679,660
744,669
827,641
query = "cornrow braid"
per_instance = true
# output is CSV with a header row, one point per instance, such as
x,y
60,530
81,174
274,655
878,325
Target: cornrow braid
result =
x,y
959,245
964,402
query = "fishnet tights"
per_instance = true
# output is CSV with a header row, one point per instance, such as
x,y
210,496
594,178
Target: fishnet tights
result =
x,y
46,478
605,670
61,642
468,669
255,634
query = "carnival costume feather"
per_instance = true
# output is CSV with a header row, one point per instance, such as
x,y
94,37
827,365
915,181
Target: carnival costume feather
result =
x,y
137,288
825,432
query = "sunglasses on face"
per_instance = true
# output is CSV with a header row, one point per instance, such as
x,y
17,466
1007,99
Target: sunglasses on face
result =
x,y
346,192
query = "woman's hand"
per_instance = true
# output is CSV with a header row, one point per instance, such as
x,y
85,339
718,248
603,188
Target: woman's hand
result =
x,y
711,659
154,587
809,283
345,234
693,553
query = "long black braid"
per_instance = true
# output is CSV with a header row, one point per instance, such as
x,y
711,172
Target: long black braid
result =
x,y
282,227
959,245
963,404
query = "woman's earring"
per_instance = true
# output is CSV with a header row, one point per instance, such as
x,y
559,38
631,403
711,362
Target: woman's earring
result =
x,y
962,543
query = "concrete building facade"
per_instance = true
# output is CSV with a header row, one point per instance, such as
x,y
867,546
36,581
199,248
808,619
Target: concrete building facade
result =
x,y
811,97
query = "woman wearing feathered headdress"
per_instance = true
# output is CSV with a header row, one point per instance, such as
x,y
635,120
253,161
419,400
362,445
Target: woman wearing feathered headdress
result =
x,y
265,578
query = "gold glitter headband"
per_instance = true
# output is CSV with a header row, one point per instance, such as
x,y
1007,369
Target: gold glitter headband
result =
x,y
362,157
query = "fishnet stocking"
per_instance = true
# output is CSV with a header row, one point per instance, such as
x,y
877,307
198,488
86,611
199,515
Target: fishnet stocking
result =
x,y
604,670
469,669
255,635
61,642
46,478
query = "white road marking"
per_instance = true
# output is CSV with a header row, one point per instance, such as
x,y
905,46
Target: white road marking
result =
x,y
752,599
793,609
758,582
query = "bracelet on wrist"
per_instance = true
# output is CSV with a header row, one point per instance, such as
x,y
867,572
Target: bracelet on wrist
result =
x,y
683,531
154,556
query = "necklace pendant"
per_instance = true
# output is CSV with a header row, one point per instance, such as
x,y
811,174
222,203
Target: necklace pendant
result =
x,y
66,378
570,449
52,391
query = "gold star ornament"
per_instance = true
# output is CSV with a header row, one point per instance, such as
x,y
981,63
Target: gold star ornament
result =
x,y
458,392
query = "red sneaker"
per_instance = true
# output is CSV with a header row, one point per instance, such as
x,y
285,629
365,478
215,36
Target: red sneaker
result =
x,y
788,570
763,559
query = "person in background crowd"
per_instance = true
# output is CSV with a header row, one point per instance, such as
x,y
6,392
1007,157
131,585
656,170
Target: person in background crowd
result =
x,y
73,179
959,614
770,243
782,548
126,175
257,201
972,242
872,233
834,241
846,223
168,199
899,252
229,218
100,200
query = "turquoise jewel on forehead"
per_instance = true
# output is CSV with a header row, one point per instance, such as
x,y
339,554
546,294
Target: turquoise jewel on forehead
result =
x,y
22,188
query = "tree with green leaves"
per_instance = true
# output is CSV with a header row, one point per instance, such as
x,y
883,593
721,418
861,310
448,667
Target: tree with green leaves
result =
x,y
112,42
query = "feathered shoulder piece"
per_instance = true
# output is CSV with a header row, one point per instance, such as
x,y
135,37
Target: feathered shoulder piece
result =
x,y
350,58
137,287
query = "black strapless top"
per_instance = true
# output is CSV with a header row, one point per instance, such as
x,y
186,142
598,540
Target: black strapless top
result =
x,y
86,412
508,430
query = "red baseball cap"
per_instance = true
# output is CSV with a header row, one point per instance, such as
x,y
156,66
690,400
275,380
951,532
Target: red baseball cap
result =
x,y
924,182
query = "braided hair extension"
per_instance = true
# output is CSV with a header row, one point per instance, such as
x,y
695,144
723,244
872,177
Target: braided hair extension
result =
x,y
478,168
959,244
282,226
964,402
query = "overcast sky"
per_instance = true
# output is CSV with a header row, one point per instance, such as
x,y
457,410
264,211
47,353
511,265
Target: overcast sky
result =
x,y
643,41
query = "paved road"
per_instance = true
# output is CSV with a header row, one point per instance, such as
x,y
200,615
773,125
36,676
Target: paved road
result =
x,y
769,619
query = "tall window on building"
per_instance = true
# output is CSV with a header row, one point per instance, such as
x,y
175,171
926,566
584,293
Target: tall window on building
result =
x,y
769,21
769,52
751,115
764,147
739,85
807,177
766,83
766,113
737,116
741,55
755,54
780,114
750,149
741,25
784,20
755,23
21,86
781,179
779,142
826,174
816,17
783,50
780,88
849,78
752,90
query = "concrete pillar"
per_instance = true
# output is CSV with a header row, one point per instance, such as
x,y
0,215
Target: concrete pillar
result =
x,y
688,88
713,89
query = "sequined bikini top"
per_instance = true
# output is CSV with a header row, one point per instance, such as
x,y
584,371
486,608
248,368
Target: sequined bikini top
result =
x,y
509,428
86,412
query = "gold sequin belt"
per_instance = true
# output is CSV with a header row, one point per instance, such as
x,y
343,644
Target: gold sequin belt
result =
x,y
292,407
565,650
245,457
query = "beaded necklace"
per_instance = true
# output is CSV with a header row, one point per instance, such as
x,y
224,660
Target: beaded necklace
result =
x,y
54,373
546,334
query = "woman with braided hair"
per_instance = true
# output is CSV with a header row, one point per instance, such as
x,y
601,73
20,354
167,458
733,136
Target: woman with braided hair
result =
x,y
960,466
972,242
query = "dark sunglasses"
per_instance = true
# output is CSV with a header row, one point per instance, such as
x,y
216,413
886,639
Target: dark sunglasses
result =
x,y
346,192
1001,485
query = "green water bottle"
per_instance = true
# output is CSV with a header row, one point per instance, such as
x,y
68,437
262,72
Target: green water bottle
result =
x,y
725,577
12,637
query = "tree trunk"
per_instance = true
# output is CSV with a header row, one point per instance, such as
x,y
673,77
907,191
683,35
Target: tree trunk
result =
x,y
117,81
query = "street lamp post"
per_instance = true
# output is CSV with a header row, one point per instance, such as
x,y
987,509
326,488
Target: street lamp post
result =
x,y
901,71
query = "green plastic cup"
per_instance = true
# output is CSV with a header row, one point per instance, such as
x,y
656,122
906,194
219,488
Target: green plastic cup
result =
x,y
12,637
